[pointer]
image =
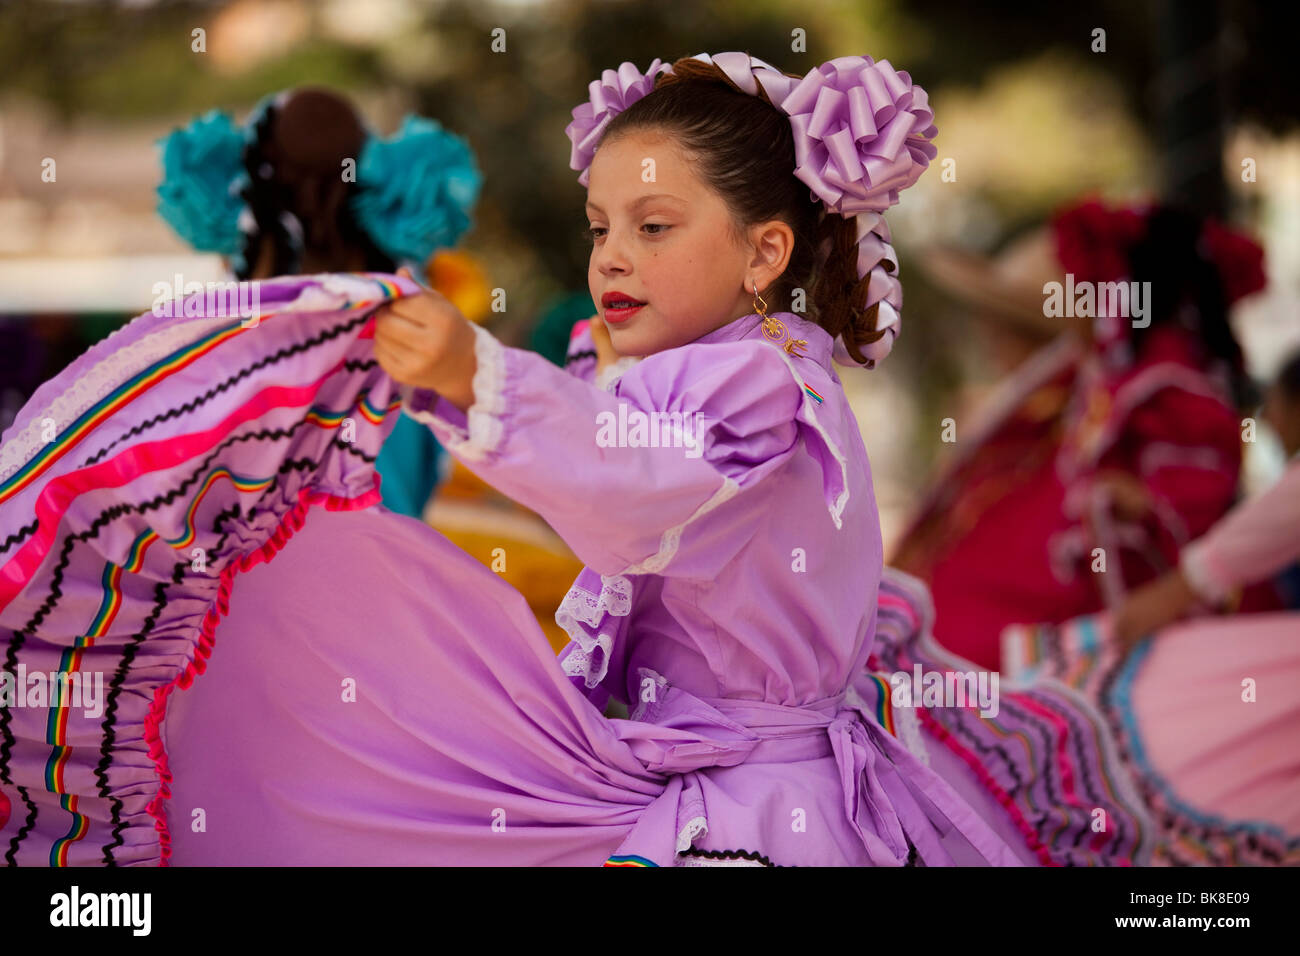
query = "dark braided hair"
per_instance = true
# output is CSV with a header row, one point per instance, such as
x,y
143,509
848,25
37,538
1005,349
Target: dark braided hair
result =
x,y
1187,288
744,147
299,202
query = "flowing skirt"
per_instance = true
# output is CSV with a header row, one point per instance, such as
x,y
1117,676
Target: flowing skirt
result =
x,y
217,647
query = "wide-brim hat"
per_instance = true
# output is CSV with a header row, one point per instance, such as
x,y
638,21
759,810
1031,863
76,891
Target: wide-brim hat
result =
x,y
1007,286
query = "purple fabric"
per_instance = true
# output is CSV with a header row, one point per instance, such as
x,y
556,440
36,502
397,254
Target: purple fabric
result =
x,y
766,596
361,691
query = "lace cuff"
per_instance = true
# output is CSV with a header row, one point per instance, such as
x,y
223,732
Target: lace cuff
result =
x,y
477,434
590,658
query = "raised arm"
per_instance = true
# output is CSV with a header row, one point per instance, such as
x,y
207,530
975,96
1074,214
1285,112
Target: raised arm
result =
x,y
1258,538
723,416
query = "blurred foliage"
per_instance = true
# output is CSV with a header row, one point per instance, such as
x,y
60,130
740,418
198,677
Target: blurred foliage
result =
x,y
125,61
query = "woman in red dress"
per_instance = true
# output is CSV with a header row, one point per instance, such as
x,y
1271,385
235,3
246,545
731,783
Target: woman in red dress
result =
x,y
1109,448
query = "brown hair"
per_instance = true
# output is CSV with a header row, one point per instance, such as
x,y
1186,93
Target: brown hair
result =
x,y
744,146
293,163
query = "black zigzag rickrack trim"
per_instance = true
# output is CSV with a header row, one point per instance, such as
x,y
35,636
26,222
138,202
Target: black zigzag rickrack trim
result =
x,y
19,536
6,717
962,729
728,855
7,740
128,656
6,747
351,449
26,827
1054,796
579,356
113,512
351,365
110,713
107,516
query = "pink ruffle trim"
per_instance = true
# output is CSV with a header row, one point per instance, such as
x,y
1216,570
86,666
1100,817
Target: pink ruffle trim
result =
x,y
289,524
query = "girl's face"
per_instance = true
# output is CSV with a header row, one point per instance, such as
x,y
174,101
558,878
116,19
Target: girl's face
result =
x,y
668,243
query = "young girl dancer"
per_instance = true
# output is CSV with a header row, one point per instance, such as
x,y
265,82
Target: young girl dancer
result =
x,y
294,676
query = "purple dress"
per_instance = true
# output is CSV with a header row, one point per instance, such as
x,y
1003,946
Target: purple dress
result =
x,y
291,674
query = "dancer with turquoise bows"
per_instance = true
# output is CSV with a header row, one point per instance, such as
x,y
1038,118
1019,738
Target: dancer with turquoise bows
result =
x,y
303,187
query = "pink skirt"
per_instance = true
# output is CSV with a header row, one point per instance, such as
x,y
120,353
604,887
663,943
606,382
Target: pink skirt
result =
x,y
1206,715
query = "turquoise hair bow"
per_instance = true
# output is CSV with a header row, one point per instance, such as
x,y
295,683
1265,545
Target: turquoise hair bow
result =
x,y
416,190
199,195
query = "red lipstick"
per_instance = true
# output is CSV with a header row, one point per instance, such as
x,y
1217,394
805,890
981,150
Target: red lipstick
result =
x,y
619,307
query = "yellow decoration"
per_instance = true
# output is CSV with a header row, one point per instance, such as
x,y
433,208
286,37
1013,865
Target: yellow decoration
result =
x,y
461,278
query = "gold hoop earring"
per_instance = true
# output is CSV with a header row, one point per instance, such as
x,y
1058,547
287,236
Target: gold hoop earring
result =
x,y
774,328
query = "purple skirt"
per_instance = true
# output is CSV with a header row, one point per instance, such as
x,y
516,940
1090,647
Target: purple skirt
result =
x,y
221,650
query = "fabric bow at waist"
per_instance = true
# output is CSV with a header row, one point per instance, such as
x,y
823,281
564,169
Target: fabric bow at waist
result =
x,y
675,732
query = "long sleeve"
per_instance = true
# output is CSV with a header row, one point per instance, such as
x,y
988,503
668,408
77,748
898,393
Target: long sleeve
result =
x,y
1258,538
723,416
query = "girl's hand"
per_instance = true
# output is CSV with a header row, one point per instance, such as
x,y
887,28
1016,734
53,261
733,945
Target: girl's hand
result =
x,y
605,354
1152,607
424,341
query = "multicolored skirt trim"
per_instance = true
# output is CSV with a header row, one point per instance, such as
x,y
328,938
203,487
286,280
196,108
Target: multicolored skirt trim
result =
x,y
104,478
1081,655
1046,756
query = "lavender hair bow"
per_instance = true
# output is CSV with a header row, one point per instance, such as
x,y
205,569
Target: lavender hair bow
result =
x,y
862,134
614,92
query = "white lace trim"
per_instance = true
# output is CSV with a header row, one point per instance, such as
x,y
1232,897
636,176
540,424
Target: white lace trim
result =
x,y
317,299
909,732
581,607
907,723
615,598
578,662
606,377
122,363
671,538
93,386
349,288
485,426
694,827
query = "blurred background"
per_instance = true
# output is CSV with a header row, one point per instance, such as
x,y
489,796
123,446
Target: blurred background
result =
x,y
1182,99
